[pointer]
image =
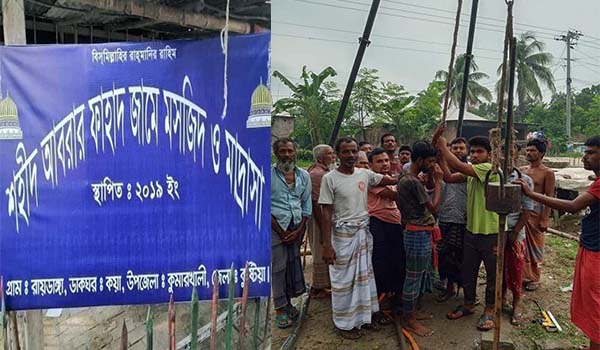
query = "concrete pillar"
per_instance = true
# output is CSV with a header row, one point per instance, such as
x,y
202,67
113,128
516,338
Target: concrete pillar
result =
x,y
13,18
34,330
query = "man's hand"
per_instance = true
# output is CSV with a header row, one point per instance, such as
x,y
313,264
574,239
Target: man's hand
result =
x,y
328,254
437,133
438,173
526,190
291,236
512,236
543,223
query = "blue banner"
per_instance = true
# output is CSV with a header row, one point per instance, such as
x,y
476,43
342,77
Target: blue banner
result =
x,y
130,171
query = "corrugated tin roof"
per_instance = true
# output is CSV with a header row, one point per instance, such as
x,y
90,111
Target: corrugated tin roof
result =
x,y
72,12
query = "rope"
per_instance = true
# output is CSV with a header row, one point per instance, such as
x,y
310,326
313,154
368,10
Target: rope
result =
x,y
451,66
496,133
224,44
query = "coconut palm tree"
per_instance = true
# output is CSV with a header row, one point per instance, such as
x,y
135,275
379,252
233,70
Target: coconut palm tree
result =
x,y
532,70
475,91
309,100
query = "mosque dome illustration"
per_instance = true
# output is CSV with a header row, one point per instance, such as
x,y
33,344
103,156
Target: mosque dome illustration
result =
x,y
260,108
9,120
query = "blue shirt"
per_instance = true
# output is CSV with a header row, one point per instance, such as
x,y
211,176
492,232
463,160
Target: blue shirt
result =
x,y
288,206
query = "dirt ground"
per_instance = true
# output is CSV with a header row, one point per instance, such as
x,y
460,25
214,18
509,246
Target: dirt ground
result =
x,y
317,330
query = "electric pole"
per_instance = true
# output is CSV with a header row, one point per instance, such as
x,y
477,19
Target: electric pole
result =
x,y
571,40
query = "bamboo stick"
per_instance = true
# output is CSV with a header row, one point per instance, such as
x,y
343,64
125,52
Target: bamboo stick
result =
x,y
171,323
304,254
194,330
267,323
242,340
499,278
451,65
229,327
256,322
213,319
124,336
562,234
149,330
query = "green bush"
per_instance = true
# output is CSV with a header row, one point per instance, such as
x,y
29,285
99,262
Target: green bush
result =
x,y
304,154
304,157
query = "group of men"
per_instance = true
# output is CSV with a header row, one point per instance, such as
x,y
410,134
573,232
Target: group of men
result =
x,y
380,227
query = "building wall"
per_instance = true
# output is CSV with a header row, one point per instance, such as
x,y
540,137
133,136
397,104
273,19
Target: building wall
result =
x,y
281,126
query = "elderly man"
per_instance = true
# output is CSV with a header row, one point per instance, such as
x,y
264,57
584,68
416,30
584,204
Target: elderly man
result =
x,y
362,161
291,208
324,160
347,243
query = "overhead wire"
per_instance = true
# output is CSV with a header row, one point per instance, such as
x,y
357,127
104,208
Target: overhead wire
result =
x,y
467,15
496,28
373,45
378,35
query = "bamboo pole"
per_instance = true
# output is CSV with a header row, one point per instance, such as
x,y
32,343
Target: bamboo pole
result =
x,y
124,336
499,278
246,279
267,323
149,330
194,325
451,65
562,234
171,323
507,166
213,319
229,327
256,322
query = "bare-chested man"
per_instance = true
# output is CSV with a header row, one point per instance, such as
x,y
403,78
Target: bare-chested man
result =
x,y
543,179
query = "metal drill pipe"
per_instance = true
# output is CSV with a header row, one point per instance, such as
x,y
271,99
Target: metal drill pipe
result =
x,y
364,42
468,58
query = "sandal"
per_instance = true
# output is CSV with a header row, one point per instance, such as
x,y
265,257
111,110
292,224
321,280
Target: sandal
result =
x,y
292,312
373,326
464,311
516,319
381,318
445,296
507,309
352,334
319,293
282,321
532,286
485,323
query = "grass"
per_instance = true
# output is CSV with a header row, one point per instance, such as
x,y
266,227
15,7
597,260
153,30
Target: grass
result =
x,y
560,259
572,334
565,249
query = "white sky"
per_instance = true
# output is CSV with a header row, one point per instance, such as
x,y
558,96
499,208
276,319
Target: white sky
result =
x,y
410,41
